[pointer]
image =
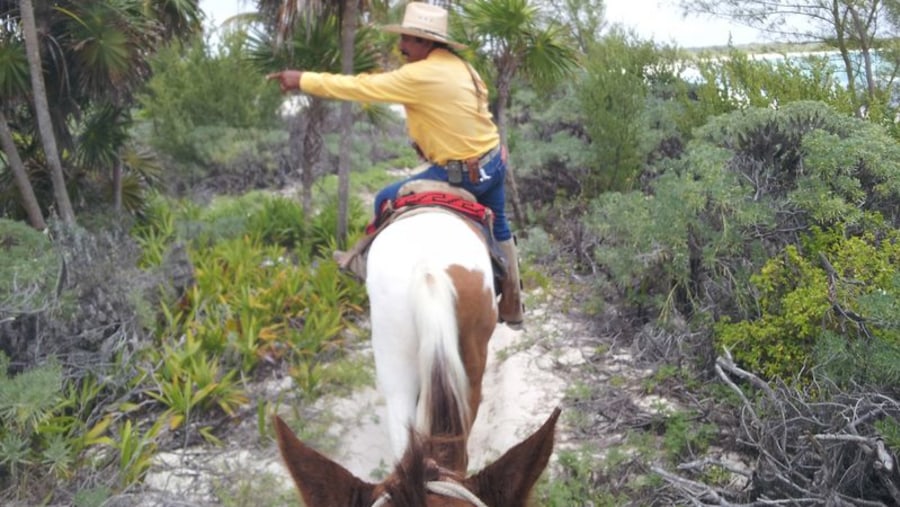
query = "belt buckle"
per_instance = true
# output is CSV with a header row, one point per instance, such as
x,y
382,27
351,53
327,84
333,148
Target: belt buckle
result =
x,y
454,172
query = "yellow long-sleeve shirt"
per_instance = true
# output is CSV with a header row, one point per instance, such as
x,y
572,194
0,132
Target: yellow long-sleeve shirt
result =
x,y
444,115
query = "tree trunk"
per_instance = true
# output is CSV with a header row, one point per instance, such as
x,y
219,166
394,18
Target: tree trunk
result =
x,y
348,34
42,110
512,187
26,191
117,185
312,150
861,28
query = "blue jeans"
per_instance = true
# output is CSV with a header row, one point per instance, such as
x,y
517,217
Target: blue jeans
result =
x,y
490,191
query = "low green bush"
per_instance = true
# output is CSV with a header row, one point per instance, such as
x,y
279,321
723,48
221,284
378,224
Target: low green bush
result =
x,y
830,308
48,423
29,269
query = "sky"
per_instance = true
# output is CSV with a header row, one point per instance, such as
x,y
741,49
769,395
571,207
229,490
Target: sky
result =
x,y
663,21
660,20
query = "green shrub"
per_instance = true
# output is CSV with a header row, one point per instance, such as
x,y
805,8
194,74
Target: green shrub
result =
x,y
46,425
579,482
280,221
230,93
685,438
736,81
832,306
750,184
29,269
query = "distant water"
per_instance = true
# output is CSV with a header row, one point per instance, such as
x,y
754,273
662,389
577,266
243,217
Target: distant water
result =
x,y
811,59
836,62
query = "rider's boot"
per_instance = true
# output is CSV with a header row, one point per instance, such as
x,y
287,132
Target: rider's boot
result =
x,y
510,307
352,262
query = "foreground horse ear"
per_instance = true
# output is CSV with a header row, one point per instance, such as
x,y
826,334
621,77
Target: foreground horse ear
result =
x,y
508,481
321,481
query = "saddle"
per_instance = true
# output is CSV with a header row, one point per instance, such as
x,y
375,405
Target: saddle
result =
x,y
420,196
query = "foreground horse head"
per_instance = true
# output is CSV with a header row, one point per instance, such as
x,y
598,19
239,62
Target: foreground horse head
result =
x,y
418,481
433,309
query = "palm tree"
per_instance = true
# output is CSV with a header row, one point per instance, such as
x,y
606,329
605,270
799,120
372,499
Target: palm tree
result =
x,y
109,45
282,14
42,110
13,87
348,35
104,143
516,41
89,56
14,161
313,46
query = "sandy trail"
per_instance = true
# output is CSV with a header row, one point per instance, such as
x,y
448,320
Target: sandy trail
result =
x,y
524,381
520,391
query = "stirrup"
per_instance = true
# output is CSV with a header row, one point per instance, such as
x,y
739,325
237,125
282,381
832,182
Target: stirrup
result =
x,y
351,262
341,257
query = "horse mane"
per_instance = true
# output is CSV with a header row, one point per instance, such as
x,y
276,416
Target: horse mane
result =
x,y
407,484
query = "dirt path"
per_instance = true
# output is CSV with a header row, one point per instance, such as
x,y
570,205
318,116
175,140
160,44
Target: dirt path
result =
x,y
521,388
526,377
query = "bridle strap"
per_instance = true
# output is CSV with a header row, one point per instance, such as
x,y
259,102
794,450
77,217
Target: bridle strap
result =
x,y
454,490
445,488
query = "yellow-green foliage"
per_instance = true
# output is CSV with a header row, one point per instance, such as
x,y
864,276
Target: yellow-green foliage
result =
x,y
792,299
188,377
263,292
155,231
251,301
836,286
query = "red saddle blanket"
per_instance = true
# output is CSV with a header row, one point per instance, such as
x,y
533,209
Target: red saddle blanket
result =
x,y
354,260
470,209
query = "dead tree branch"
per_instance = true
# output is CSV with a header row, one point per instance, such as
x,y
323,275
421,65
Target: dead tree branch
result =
x,y
821,447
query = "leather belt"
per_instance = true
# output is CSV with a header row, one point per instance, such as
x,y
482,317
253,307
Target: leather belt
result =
x,y
470,167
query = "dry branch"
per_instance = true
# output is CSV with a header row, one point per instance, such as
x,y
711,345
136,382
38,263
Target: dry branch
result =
x,y
809,450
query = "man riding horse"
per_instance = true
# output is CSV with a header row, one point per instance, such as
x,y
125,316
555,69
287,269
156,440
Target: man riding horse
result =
x,y
447,118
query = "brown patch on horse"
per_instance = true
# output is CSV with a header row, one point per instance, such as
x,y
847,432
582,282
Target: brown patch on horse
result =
x,y
476,318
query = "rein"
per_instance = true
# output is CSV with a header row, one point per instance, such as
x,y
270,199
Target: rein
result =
x,y
445,488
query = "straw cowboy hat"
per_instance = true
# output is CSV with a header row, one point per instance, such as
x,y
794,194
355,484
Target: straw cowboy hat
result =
x,y
425,21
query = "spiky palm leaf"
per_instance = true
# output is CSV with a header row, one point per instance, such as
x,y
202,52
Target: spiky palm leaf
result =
x,y
106,47
513,39
14,82
178,18
314,46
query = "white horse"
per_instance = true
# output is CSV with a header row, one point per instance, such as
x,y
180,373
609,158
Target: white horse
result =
x,y
433,309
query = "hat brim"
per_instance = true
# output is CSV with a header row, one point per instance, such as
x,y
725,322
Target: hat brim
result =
x,y
422,34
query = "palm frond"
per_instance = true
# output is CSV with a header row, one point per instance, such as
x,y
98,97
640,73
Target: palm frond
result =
x,y
14,77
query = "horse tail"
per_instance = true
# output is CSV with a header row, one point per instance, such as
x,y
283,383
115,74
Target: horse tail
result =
x,y
442,407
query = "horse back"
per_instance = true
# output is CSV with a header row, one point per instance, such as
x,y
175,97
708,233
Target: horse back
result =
x,y
431,296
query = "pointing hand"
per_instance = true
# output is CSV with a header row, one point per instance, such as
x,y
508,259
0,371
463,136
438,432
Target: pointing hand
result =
x,y
287,79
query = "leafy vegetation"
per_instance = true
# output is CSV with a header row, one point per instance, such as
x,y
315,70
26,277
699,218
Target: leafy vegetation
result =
x,y
260,294
835,302
735,218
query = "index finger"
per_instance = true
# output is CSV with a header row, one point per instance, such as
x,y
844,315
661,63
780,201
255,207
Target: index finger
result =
x,y
273,75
